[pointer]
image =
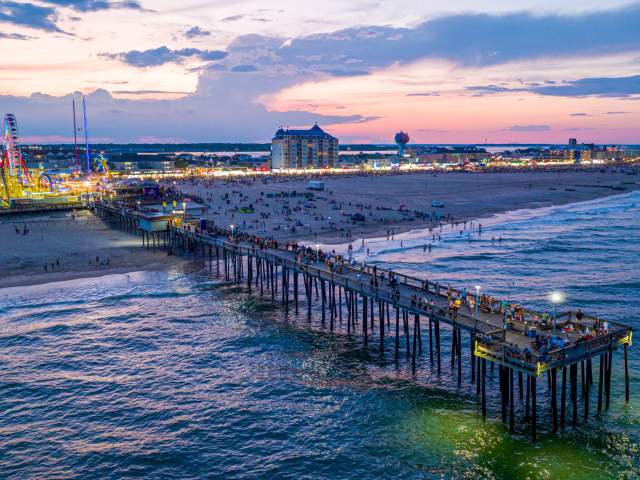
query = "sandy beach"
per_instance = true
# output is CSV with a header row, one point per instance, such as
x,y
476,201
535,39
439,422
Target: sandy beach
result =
x,y
389,202
62,246
69,248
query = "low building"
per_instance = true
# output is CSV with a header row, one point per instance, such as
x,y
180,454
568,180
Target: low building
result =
x,y
302,149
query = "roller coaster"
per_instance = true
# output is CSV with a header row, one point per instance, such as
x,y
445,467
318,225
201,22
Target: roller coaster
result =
x,y
16,181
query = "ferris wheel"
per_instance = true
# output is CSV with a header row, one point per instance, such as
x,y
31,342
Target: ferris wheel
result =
x,y
15,178
12,161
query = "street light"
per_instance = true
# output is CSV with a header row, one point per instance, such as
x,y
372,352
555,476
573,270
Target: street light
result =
x,y
232,226
477,301
556,298
317,253
509,285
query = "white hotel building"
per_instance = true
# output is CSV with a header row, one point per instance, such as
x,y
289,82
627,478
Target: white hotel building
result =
x,y
301,149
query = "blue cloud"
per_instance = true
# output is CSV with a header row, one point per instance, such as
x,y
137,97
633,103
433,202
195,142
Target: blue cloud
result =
x,y
583,87
44,17
528,128
190,118
233,18
423,94
196,31
15,36
161,55
480,90
474,39
94,5
600,86
29,15
244,68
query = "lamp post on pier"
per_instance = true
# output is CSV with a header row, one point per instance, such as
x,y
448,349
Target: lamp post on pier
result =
x,y
556,298
477,301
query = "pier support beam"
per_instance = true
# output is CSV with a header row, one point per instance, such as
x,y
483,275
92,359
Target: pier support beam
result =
x,y
533,408
563,398
626,374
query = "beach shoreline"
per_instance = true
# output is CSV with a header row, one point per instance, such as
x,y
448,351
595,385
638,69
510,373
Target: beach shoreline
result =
x,y
32,279
286,210
65,245
379,233
69,246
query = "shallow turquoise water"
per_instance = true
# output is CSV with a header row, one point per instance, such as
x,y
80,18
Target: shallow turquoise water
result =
x,y
158,375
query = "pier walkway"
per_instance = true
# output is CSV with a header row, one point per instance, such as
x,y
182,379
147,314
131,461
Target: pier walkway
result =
x,y
522,342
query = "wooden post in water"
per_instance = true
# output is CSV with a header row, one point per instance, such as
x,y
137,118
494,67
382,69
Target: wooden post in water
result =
x,y
397,332
415,339
405,320
431,341
502,377
365,302
573,371
479,380
608,378
600,382
454,345
520,386
511,407
472,337
626,374
484,386
554,405
527,398
563,398
437,331
459,352
533,408
295,289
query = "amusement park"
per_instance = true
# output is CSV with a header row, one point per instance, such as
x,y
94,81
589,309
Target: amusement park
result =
x,y
25,188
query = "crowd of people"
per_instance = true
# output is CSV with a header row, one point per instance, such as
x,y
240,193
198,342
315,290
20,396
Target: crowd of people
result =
x,y
540,328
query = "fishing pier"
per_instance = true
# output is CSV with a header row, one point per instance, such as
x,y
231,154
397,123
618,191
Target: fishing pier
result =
x,y
406,315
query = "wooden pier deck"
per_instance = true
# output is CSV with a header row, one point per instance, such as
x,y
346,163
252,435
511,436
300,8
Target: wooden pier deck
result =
x,y
363,289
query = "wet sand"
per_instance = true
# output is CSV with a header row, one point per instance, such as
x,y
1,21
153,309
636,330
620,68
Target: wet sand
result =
x,y
389,202
69,248
72,245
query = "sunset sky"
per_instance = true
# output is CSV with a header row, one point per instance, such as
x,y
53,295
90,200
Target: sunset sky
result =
x,y
459,71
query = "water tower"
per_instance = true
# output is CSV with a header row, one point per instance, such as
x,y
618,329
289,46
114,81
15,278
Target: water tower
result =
x,y
401,140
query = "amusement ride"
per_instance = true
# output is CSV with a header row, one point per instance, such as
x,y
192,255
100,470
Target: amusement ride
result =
x,y
20,185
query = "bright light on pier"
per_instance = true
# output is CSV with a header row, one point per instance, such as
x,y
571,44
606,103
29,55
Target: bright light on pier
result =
x,y
556,297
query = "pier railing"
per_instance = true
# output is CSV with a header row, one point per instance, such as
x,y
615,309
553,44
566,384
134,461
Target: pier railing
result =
x,y
499,351
490,332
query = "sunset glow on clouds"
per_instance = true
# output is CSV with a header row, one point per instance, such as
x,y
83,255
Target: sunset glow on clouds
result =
x,y
215,71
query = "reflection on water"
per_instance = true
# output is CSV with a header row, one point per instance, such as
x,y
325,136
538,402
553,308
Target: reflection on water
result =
x,y
163,374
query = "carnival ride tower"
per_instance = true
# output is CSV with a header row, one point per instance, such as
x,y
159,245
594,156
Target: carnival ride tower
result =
x,y
14,175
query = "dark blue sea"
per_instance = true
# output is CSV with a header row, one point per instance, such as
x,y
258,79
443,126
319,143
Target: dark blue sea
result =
x,y
166,375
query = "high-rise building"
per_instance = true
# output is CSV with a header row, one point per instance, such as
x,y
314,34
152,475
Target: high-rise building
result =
x,y
573,142
301,149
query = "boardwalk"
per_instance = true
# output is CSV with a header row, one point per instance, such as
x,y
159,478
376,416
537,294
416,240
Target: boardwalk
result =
x,y
362,289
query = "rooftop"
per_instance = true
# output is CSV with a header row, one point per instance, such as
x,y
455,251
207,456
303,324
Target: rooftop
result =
x,y
314,131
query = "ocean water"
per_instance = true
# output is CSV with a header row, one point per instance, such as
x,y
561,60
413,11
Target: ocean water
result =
x,y
167,375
